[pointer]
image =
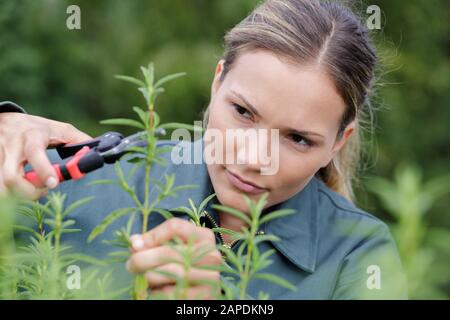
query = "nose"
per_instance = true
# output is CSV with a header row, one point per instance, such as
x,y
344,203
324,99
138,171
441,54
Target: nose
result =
x,y
253,149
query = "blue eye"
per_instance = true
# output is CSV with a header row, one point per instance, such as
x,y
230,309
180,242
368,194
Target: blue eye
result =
x,y
298,139
242,111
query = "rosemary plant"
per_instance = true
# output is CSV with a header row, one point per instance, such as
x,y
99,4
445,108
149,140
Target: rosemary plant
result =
x,y
38,269
248,262
149,123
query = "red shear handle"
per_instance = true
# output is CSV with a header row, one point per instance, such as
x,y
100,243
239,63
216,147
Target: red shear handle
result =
x,y
67,171
34,179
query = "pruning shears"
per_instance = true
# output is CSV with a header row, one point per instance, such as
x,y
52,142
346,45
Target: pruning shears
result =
x,y
87,156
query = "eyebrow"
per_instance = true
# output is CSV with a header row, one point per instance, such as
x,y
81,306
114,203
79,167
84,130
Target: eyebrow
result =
x,y
253,109
248,104
307,133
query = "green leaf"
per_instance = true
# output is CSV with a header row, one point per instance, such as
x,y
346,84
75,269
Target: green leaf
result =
x,y
68,223
148,74
192,204
84,258
156,120
138,150
136,160
182,209
26,229
205,201
122,181
233,212
276,214
143,115
191,213
104,181
265,237
232,258
177,125
160,161
263,260
113,216
70,230
43,208
235,235
130,79
261,203
157,92
169,78
124,122
184,187
221,268
165,213
170,179
165,149
145,94
76,205
130,224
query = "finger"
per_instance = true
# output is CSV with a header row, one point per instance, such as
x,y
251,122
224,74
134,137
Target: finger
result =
x,y
24,189
202,292
208,257
169,273
200,249
164,292
13,177
171,229
61,132
202,254
147,259
34,149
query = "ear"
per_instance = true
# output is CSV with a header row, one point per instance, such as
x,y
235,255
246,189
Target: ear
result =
x,y
341,142
216,83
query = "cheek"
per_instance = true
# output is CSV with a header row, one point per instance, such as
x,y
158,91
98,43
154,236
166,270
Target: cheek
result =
x,y
294,172
221,118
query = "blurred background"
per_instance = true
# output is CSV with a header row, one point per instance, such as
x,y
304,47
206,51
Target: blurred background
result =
x,y
67,75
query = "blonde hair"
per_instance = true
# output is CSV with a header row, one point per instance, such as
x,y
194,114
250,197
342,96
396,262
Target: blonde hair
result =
x,y
320,33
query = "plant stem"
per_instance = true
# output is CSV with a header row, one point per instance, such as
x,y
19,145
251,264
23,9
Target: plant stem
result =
x,y
250,243
140,291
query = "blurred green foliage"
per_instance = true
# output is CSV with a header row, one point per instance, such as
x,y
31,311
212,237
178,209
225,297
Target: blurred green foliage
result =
x,y
67,75
424,249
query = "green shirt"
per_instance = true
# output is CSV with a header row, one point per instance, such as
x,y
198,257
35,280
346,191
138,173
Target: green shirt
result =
x,y
329,249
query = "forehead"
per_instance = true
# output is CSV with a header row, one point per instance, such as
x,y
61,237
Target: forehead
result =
x,y
290,94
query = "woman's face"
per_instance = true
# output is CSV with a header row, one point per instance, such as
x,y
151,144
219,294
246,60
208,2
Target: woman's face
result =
x,y
260,91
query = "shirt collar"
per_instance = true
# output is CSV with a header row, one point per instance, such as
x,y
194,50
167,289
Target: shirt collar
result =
x,y
297,232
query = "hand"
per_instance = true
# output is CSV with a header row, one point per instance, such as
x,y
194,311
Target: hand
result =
x,y
24,139
152,253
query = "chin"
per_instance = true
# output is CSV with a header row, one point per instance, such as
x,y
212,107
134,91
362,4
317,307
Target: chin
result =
x,y
233,199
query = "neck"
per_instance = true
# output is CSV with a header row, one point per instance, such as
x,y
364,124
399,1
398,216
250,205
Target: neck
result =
x,y
230,222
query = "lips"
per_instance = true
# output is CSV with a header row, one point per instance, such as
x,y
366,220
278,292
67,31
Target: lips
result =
x,y
243,185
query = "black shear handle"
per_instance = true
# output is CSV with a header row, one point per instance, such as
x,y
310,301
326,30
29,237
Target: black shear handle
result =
x,y
68,150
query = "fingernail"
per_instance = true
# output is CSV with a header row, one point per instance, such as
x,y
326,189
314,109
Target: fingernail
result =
x,y
51,183
137,242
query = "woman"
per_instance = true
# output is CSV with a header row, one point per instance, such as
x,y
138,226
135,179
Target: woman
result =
x,y
305,69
